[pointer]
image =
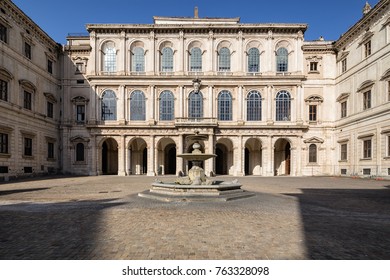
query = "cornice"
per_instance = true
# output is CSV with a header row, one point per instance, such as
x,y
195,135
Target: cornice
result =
x,y
362,25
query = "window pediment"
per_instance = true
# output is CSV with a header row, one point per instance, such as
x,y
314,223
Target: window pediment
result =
x,y
27,84
314,140
79,138
6,74
386,75
367,36
368,135
80,100
50,97
343,96
366,85
314,98
342,56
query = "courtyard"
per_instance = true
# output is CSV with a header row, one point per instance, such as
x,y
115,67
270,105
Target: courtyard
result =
x,y
102,217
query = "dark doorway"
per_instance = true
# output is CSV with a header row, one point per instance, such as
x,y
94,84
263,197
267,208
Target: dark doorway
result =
x,y
170,159
221,160
287,153
145,161
247,160
109,157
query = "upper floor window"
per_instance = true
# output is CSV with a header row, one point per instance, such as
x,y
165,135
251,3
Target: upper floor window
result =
x,y
313,66
27,50
195,105
28,146
367,49
50,109
388,90
80,152
367,148
50,150
3,90
108,106
313,113
50,66
282,60
224,60
313,153
3,33
138,60
196,60
344,65
343,109
27,100
80,67
3,143
283,106
137,106
167,106
366,100
344,151
254,106
109,57
80,113
253,60
225,106
167,60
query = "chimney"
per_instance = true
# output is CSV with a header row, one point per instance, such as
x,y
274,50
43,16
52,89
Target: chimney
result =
x,y
196,12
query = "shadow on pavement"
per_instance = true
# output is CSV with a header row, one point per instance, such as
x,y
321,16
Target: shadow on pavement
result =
x,y
346,223
7,192
42,231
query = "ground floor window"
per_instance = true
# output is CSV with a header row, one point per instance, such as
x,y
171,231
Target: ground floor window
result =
x,y
367,149
344,153
80,152
312,153
3,143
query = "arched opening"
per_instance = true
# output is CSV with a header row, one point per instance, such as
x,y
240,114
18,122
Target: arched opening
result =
x,y
109,157
224,161
282,157
166,156
253,157
137,157
170,159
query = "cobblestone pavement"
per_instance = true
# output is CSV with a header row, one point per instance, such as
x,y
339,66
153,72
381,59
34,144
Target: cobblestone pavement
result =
x,y
103,218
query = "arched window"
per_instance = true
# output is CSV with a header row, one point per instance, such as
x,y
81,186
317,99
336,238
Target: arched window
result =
x,y
196,60
80,152
283,106
167,60
224,60
108,106
137,106
312,153
109,57
254,106
253,60
195,105
167,106
138,60
225,106
282,60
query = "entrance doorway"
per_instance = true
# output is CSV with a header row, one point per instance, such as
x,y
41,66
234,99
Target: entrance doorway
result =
x,y
109,157
282,158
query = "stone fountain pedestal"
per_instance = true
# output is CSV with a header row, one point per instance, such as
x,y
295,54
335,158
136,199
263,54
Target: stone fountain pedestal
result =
x,y
196,186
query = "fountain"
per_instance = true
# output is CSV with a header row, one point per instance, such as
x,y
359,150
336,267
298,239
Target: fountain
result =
x,y
196,186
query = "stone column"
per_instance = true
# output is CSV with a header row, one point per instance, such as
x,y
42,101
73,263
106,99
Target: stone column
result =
x,y
122,54
122,156
210,103
270,101
151,157
270,162
179,150
209,168
151,104
121,105
95,52
240,108
299,104
238,158
92,110
181,102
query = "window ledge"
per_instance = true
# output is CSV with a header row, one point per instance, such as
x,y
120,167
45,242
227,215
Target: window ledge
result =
x,y
5,155
343,161
365,159
387,158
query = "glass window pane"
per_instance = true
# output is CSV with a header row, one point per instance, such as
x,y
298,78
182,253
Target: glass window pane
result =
x,y
225,106
254,106
195,105
283,106
137,106
167,106
224,60
167,60
108,105
253,60
196,60
312,153
282,60
138,61
109,58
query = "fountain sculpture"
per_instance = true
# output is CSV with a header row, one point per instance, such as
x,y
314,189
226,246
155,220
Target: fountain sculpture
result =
x,y
196,186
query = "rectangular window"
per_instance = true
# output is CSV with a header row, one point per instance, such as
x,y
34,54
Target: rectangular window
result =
x,y
27,104
27,50
50,150
3,143
367,100
388,90
344,65
3,169
79,67
27,146
367,149
80,113
388,146
3,33
367,49
313,66
50,66
312,113
3,90
28,169
344,109
343,171
50,110
344,152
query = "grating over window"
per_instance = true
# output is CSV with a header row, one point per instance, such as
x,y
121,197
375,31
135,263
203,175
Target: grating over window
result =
x,y
283,106
195,105
109,58
224,60
167,60
137,106
225,106
108,106
282,60
313,153
138,61
254,106
3,90
196,60
167,106
253,60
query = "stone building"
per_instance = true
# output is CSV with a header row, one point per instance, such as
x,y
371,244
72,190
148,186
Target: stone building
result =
x,y
269,102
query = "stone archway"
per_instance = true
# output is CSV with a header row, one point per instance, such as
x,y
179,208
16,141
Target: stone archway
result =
x,y
282,157
253,157
166,156
109,159
224,161
137,157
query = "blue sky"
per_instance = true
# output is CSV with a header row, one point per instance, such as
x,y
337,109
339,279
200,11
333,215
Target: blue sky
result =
x,y
328,18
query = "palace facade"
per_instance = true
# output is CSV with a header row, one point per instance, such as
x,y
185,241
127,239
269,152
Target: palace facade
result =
x,y
124,97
